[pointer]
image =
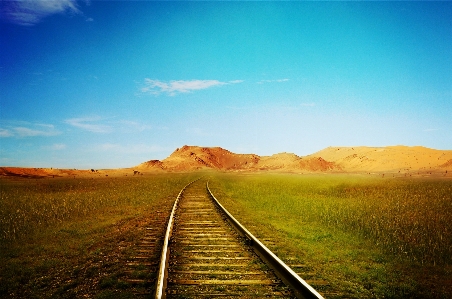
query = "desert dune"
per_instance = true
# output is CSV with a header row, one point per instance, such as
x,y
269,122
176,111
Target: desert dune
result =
x,y
388,159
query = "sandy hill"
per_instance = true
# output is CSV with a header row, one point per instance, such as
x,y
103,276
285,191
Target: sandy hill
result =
x,y
37,173
392,159
195,158
402,159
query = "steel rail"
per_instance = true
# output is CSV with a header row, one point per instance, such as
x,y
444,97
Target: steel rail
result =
x,y
163,268
300,287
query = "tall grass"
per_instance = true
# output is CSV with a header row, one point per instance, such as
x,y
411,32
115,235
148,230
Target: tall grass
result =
x,y
29,205
70,237
407,218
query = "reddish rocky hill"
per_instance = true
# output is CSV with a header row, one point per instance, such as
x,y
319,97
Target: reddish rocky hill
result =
x,y
194,158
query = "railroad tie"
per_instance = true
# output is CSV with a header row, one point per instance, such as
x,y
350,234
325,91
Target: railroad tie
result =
x,y
208,258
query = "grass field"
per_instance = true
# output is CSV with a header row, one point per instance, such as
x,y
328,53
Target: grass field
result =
x,y
368,237
59,237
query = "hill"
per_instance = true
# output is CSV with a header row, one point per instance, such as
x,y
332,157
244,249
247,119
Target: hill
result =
x,y
403,159
190,158
362,159
36,173
406,160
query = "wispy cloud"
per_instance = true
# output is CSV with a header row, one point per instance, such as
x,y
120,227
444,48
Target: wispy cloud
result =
x,y
235,81
55,147
6,133
270,81
130,125
27,132
172,88
22,129
97,124
90,124
31,12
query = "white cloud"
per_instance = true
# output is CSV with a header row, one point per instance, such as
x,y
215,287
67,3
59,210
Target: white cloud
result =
x,y
22,129
89,124
31,12
134,125
97,124
171,88
235,81
270,81
5,133
56,147
27,132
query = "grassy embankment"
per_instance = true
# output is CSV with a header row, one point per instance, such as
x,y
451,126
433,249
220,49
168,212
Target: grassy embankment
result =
x,y
367,237
59,237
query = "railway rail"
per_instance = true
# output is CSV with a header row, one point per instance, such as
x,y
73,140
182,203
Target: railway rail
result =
x,y
207,253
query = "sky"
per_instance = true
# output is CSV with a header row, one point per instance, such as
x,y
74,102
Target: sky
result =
x,y
107,84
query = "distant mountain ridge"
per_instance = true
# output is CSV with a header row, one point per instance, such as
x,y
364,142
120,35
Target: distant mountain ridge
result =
x,y
331,159
401,160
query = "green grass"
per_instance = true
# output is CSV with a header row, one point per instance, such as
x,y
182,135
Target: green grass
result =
x,y
31,205
59,237
368,237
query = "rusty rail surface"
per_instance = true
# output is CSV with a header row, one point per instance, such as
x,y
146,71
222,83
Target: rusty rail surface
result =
x,y
301,288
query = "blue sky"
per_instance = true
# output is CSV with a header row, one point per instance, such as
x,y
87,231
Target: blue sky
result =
x,y
106,84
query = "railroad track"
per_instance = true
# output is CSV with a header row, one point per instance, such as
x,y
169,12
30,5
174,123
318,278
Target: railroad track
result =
x,y
203,256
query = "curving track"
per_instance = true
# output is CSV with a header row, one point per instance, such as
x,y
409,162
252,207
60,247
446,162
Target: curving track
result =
x,y
208,258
